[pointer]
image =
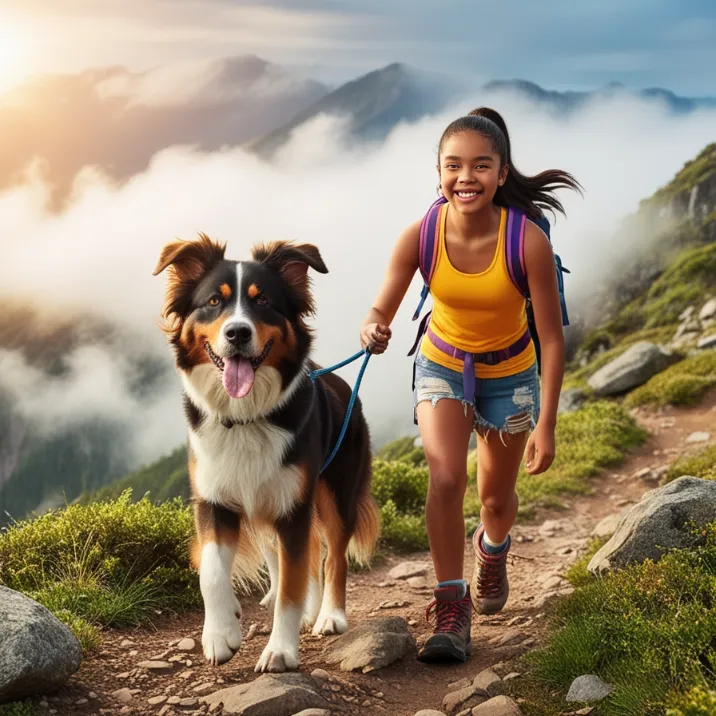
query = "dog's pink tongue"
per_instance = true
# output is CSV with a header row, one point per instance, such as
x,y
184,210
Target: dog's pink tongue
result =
x,y
238,376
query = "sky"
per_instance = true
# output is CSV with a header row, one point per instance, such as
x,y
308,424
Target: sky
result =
x,y
560,44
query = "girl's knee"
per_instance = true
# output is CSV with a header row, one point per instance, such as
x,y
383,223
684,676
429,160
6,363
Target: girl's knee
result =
x,y
448,484
499,506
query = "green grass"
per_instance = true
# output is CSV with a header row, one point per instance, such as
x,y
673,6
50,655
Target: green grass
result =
x,y
587,440
700,464
693,172
107,564
18,708
681,384
577,574
648,630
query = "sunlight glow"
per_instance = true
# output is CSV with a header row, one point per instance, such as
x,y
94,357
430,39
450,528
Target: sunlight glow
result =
x,y
14,51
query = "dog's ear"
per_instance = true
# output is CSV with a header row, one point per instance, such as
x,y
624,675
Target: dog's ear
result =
x,y
190,259
292,261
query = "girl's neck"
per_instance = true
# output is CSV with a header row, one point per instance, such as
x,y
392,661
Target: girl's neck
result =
x,y
472,226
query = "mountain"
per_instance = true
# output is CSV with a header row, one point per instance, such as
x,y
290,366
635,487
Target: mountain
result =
x,y
373,104
570,101
117,120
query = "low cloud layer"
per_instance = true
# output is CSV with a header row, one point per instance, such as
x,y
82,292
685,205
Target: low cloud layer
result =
x,y
350,200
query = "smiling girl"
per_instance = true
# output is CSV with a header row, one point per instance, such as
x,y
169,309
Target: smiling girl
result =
x,y
478,310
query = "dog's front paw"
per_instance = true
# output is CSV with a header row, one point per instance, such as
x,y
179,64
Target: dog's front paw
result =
x,y
331,622
276,659
221,642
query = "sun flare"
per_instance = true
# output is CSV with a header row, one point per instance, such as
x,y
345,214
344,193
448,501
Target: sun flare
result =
x,y
14,50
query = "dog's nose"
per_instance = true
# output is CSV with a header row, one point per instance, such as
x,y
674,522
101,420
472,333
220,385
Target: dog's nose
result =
x,y
238,334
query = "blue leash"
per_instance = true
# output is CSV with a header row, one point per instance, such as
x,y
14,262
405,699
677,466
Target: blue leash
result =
x,y
313,374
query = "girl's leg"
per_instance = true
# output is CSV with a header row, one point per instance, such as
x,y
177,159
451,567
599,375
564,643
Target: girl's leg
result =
x,y
445,431
498,463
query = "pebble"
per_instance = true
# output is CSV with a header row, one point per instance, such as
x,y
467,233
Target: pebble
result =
x,y
552,582
412,622
320,675
92,695
126,643
512,675
157,667
124,696
405,570
251,632
698,437
156,700
186,645
173,700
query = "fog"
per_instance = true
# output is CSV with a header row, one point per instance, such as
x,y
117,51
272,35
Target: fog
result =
x,y
351,200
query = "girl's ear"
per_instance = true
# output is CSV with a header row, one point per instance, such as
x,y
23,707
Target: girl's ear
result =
x,y
504,171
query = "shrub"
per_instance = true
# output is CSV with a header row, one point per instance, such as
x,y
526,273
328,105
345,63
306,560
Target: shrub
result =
x,y
105,564
698,701
648,630
701,464
403,449
681,384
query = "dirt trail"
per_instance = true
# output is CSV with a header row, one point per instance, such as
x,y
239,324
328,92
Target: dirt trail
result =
x,y
539,552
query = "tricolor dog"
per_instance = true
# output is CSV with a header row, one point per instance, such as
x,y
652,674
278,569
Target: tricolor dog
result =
x,y
259,430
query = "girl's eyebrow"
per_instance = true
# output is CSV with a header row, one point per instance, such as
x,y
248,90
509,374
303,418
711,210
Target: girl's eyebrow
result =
x,y
483,157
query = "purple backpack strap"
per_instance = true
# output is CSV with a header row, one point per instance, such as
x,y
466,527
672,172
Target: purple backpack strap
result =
x,y
429,228
515,248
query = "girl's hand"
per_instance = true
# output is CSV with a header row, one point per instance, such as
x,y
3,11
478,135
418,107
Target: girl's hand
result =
x,y
539,452
374,337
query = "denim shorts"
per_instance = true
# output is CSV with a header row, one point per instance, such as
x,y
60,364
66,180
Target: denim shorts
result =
x,y
508,405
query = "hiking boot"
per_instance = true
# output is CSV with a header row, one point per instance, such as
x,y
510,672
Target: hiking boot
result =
x,y
489,584
450,640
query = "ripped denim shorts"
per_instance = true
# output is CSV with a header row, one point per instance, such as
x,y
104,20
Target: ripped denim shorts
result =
x,y
508,405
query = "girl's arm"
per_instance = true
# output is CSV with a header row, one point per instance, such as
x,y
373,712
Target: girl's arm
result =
x,y
544,294
375,331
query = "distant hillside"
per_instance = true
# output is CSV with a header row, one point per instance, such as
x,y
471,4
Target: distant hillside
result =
x,y
117,120
373,104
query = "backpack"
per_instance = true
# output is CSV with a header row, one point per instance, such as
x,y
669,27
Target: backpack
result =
x,y
514,246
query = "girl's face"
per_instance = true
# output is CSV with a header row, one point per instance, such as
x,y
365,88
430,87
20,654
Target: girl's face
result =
x,y
470,171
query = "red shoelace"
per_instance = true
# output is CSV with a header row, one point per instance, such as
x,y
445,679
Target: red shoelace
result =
x,y
450,616
489,582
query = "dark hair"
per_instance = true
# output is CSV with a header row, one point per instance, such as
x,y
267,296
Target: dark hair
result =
x,y
530,194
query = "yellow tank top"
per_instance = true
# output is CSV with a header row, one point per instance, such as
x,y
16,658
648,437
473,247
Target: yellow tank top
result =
x,y
477,312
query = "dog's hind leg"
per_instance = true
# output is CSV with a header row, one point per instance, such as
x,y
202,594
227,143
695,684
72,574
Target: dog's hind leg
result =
x,y
271,557
218,534
294,560
332,616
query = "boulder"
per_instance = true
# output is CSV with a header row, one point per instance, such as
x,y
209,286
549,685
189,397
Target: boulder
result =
x,y
371,645
658,523
38,654
571,400
270,695
631,369
588,688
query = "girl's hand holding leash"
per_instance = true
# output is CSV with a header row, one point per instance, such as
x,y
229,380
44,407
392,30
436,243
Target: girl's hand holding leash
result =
x,y
374,338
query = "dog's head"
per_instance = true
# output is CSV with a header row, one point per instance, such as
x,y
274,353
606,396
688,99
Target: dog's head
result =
x,y
239,319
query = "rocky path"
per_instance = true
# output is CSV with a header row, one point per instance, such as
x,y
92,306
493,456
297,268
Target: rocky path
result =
x,y
122,679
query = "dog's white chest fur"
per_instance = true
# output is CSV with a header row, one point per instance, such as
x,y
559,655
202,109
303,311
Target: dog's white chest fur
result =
x,y
243,466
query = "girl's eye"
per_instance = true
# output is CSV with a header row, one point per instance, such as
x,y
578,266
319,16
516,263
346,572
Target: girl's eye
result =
x,y
214,301
261,300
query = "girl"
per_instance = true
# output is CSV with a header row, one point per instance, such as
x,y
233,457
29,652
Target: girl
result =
x,y
477,308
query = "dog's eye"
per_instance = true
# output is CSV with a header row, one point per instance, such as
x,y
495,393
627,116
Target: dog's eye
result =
x,y
214,301
261,300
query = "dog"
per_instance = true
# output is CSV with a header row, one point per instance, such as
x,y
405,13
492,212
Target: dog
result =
x,y
259,431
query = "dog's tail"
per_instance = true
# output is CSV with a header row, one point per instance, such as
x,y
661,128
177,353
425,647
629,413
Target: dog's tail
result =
x,y
367,530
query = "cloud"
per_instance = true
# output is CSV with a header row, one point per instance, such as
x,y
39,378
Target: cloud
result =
x,y
349,199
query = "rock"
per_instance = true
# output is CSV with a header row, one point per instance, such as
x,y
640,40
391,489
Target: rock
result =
x,y
571,400
126,644
698,437
464,698
371,645
457,685
631,369
552,582
405,570
708,310
39,653
189,702
658,523
512,675
124,696
417,582
314,712
156,667
499,706
430,712
156,700
550,526
607,526
585,711
686,313
270,695
186,645
511,636
707,342
320,675
588,688
489,681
